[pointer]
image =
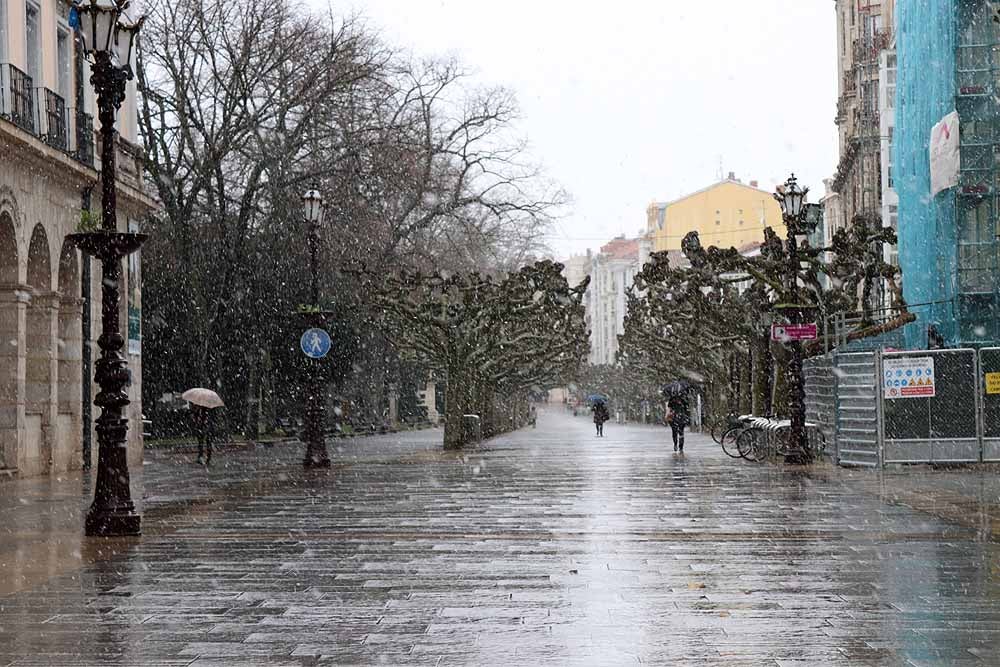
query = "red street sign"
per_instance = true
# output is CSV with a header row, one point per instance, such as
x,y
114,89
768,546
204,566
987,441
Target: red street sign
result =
x,y
786,332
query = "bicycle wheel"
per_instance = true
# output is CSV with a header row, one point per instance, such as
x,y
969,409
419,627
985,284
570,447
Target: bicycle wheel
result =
x,y
748,444
717,431
728,441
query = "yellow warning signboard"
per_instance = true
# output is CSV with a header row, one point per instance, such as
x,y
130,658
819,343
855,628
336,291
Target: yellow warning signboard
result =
x,y
993,383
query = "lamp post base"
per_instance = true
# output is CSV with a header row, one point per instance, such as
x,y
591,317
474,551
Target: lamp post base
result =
x,y
120,522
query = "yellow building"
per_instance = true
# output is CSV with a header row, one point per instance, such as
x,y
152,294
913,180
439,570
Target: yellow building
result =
x,y
726,214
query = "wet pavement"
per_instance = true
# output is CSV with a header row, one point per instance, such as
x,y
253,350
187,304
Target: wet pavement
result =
x,y
547,546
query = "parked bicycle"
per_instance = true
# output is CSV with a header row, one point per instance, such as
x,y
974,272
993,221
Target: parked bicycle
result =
x,y
720,426
758,438
736,426
765,438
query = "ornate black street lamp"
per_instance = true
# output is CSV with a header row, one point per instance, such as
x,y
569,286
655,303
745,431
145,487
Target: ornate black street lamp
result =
x,y
108,41
792,200
315,381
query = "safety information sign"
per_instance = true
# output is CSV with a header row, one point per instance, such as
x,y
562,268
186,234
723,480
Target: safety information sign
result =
x,y
908,377
993,383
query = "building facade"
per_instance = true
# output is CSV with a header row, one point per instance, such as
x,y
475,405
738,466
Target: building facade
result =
x,y
49,167
887,132
612,272
577,268
864,32
948,242
727,214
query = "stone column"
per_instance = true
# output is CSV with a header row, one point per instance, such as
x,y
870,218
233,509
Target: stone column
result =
x,y
13,363
51,410
68,447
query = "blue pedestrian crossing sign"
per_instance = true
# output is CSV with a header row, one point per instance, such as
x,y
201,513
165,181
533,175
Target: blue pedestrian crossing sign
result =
x,y
315,343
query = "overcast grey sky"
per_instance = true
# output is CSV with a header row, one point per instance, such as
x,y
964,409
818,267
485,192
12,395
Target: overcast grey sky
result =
x,y
633,101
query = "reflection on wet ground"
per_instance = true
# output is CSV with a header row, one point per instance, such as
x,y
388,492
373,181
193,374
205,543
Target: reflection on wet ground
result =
x,y
545,546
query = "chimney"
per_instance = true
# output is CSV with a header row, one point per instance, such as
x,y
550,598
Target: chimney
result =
x,y
732,176
754,184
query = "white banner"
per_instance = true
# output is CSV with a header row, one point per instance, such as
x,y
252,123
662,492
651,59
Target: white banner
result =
x,y
908,377
945,157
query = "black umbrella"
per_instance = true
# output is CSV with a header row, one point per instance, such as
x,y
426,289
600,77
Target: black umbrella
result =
x,y
675,387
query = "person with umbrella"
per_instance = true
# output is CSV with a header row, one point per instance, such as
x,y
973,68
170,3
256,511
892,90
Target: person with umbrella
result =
x,y
203,401
601,415
679,415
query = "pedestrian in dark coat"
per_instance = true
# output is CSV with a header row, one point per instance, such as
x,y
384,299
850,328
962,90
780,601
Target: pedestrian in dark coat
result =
x,y
203,430
679,418
601,415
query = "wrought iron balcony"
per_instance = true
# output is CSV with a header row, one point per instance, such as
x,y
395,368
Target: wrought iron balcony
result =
x,y
51,118
83,149
16,99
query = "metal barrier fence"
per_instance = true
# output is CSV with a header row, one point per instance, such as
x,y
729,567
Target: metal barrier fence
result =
x,y
821,396
926,406
858,425
989,369
930,403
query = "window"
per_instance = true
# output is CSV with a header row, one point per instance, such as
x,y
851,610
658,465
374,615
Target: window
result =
x,y
33,44
976,248
3,31
64,62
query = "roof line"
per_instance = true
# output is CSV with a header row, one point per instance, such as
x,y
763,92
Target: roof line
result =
x,y
706,189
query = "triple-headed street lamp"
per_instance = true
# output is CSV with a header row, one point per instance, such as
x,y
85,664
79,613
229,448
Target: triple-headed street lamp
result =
x,y
315,344
792,200
108,41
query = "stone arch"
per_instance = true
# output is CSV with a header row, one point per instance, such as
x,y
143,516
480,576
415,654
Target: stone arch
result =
x,y
38,388
67,448
9,335
39,261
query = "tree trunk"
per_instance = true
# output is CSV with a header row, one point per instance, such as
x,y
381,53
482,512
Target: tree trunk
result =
x,y
762,374
252,427
780,380
458,399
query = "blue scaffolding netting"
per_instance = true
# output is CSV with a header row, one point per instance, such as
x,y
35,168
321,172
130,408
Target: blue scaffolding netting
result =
x,y
949,60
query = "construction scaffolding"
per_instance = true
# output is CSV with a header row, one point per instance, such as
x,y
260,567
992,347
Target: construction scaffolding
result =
x,y
977,76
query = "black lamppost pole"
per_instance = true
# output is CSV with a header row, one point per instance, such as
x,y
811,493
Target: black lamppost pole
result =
x,y
315,395
112,512
792,200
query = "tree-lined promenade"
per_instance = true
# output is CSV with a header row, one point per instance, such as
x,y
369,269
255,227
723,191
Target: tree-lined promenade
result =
x,y
243,107
549,545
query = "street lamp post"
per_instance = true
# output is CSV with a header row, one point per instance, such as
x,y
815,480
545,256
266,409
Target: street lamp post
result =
x,y
112,512
315,382
792,201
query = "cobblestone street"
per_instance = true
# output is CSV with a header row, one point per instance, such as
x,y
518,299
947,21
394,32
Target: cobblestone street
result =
x,y
547,546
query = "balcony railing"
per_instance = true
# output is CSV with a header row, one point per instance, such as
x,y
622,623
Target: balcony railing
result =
x,y
51,118
83,137
44,114
867,50
16,99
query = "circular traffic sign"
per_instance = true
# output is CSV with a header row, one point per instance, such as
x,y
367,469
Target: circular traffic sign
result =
x,y
315,343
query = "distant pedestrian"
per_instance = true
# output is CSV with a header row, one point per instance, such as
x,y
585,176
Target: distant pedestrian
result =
x,y
533,416
203,430
601,415
679,417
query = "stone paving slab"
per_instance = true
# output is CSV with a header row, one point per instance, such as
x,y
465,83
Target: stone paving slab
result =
x,y
548,546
